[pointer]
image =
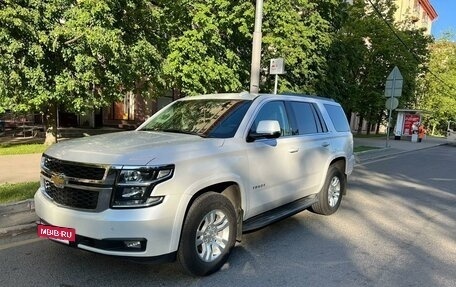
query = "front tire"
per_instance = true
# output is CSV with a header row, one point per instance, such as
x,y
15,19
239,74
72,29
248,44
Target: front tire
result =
x,y
208,234
330,196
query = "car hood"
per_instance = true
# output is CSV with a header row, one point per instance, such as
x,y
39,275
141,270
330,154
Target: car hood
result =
x,y
132,148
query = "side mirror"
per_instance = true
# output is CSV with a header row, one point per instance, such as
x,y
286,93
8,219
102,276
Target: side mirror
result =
x,y
266,129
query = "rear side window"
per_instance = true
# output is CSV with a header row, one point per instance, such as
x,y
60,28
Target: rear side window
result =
x,y
338,118
306,119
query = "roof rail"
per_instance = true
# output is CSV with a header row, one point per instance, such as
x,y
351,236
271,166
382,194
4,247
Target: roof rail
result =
x,y
306,95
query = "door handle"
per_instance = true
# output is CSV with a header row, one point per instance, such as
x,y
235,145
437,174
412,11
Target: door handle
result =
x,y
325,144
293,150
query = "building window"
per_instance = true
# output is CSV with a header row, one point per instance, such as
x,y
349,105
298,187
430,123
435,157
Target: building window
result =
x,y
416,7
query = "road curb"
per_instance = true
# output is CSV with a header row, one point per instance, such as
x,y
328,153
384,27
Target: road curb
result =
x,y
17,218
382,155
359,154
17,230
20,206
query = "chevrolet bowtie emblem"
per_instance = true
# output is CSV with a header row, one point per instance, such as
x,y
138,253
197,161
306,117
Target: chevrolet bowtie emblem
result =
x,y
59,180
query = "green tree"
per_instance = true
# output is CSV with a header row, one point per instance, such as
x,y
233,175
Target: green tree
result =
x,y
210,48
439,90
84,54
301,33
362,55
76,55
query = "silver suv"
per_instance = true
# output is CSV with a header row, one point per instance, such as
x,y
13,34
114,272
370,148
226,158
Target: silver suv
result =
x,y
189,181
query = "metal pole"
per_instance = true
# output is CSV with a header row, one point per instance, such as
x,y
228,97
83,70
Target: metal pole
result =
x,y
256,49
275,84
390,110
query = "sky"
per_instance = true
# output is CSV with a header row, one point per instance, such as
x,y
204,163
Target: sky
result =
x,y
446,20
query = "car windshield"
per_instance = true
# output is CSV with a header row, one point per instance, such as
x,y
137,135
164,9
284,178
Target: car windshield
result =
x,y
215,118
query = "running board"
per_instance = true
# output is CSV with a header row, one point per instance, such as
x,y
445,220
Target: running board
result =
x,y
278,213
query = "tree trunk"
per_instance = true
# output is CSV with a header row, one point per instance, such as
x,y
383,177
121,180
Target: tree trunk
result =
x,y
349,116
379,122
51,124
360,125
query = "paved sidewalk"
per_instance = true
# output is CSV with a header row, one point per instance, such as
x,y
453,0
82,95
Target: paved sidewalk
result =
x,y
394,147
19,168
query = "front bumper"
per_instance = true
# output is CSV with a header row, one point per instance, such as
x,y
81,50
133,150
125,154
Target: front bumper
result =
x,y
102,232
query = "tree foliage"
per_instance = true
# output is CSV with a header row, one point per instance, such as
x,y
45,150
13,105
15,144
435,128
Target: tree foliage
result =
x,y
84,54
301,33
362,55
76,54
210,49
439,90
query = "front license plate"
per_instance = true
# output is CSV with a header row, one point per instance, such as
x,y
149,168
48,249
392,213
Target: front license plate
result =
x,y
55,232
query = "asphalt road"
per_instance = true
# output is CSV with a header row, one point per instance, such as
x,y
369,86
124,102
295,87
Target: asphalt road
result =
x,y
396,227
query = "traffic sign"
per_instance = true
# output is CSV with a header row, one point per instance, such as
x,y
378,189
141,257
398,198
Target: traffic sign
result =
x,y
393,90
394,83
277,67
391,103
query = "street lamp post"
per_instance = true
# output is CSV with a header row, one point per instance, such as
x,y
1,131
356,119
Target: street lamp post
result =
x,y
256,49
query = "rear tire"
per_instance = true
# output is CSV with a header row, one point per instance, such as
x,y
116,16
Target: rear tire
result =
x,y
330,196
208,234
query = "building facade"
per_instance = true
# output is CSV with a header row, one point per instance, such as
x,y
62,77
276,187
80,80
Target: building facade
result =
x,y
420,12
126,114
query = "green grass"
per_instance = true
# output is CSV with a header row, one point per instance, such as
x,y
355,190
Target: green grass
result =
x,y
369,136
364,148
13,192
22,149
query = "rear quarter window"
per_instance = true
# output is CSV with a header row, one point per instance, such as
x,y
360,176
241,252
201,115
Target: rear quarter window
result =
x,y
338,117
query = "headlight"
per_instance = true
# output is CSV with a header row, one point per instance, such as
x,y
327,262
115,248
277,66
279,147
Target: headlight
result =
x,y
134,186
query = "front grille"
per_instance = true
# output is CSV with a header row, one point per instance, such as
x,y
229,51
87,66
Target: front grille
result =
x,y
74,170
72,197
77,185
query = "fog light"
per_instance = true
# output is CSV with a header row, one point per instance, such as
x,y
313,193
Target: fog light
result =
x,y
136,244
